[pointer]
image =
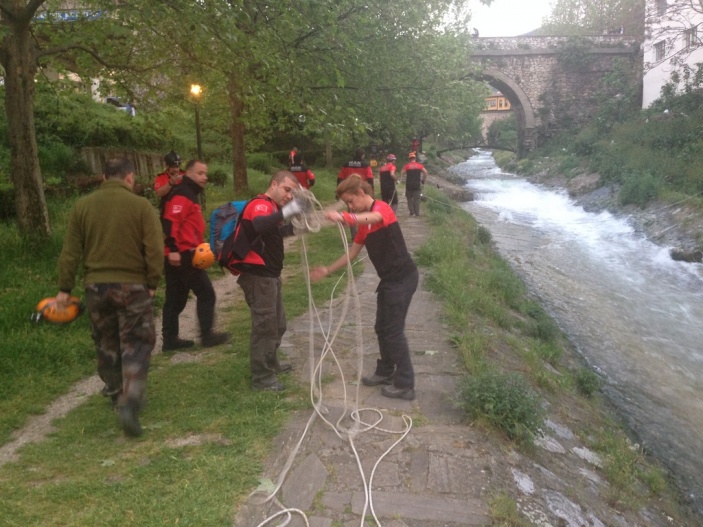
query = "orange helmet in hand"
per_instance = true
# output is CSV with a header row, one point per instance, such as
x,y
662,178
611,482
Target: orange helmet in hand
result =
x,y
203,256
50,310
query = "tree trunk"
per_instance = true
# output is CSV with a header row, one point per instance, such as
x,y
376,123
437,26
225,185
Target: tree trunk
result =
x,y
18,58
239,160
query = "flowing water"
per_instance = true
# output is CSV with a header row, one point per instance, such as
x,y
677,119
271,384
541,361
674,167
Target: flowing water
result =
x,y
635,315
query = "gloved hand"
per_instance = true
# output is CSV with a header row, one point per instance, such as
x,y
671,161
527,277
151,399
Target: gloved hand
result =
x,y
292,208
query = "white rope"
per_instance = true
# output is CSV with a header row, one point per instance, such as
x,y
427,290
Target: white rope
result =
x,y
310,222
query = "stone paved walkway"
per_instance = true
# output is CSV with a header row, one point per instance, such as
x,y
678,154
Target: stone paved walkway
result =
x,y
444,484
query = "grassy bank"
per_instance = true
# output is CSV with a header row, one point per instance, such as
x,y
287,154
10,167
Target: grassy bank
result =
x,y
207,433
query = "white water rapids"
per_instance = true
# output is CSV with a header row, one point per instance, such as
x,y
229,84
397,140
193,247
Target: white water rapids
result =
x,y
634,314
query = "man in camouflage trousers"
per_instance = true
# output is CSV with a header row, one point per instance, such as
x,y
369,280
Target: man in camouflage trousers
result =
x,y
117,236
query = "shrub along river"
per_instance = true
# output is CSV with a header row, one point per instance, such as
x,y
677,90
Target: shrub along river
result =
x,y
635,315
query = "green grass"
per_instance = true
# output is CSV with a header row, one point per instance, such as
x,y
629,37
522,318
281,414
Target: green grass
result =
x,y
86,472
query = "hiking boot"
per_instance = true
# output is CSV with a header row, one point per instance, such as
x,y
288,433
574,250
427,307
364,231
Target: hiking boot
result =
x,y
398,393
274,387
376,379
129,420
284,368
177,344
214,339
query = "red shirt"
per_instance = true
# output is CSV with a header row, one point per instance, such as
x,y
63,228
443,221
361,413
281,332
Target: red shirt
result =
x,y
304,175
356,167
164,178
182,219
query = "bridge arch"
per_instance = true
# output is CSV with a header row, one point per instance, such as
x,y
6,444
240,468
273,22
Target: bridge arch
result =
x,y
553,82
519,102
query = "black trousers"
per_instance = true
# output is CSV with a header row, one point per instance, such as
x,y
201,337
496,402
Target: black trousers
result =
x,y
179,282
392,304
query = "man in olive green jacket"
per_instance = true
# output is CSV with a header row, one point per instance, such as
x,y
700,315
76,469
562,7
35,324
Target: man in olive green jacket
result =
x,y
117,235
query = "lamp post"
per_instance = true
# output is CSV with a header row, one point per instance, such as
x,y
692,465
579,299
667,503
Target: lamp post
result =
x,y
195,91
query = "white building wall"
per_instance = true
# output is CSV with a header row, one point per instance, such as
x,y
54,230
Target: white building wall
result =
x,y
669,27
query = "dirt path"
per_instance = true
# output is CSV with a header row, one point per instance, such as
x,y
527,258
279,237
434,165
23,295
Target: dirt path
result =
x,y
38,427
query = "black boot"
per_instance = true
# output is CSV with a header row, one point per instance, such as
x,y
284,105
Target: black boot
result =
x,y
213,338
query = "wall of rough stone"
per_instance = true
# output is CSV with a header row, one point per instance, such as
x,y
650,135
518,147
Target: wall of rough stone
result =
x,y
553,89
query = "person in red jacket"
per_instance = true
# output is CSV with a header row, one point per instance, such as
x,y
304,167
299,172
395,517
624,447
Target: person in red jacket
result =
x,y
304,175
358,165
388,179
259,241
415,174
170,177
184,229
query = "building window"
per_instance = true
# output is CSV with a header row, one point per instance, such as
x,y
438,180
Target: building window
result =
x,y
661,7
659,51
691,37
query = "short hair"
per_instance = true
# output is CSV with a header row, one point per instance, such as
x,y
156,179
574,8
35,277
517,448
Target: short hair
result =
x,y
359,154
279,176
352,184
118,168
191,163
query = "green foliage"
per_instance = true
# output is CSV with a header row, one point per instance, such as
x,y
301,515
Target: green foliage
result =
x,y
574,54
505,401
260,161
639,189
502,133
217,177
587,382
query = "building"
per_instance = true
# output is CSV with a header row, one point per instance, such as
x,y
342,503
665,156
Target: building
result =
x,y
497,107
673,31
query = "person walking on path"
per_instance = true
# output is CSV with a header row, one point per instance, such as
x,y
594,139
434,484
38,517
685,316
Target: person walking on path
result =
x,y
380,232
304,175
388,179
117,236
259,238
358,165
416,175
184,229
170,177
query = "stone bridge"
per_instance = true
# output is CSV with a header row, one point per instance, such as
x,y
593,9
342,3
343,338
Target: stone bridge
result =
x,y
554,82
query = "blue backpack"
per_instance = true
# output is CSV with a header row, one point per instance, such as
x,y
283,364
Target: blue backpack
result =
x,y
222,222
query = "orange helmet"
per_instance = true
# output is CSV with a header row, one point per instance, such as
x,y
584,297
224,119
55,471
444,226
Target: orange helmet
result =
x,y
48,309
203,256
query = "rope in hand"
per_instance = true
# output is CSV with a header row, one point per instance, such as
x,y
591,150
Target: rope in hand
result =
x,y
309,221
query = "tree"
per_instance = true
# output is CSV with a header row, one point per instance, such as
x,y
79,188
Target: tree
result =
x,y
595,17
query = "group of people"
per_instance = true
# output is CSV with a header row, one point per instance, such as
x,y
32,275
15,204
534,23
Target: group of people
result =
x,y
413,172
125,248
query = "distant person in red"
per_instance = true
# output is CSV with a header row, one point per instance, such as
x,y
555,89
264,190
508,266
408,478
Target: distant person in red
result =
x,y
170,177
304,175
415,176
292,154
358,165
388,180
415,145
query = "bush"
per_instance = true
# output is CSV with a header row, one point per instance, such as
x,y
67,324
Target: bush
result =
x,y
506,401
261,162
587,382
639,190
217,177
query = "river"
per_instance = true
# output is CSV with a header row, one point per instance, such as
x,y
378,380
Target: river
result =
x,y
635,315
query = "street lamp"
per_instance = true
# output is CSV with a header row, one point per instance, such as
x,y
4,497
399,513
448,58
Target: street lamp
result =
x,y
195,91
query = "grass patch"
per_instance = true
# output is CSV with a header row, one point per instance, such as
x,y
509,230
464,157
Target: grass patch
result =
x,y
207,433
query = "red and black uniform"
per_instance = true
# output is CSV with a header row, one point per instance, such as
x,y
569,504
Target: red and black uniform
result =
x,y
413,175
399,278
165,178
261,227
354,166
184,229
303,174
388,192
